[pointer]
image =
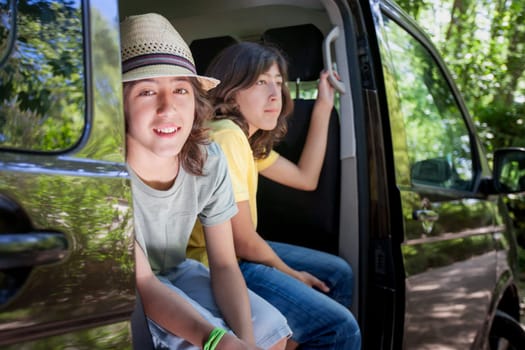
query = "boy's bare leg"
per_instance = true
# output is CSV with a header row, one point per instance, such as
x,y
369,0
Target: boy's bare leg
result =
x,y
291,344
279,345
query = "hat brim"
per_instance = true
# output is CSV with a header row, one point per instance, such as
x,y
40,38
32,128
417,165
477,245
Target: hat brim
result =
x,y
163,70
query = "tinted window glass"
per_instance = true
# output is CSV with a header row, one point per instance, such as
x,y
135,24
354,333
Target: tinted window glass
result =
x,y
42,101
436,136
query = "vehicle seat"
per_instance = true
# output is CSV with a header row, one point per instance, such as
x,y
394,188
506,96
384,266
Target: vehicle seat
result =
x,y
307,218
139,327
204,50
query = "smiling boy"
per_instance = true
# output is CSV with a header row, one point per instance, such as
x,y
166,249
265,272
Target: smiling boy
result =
x,y
177,175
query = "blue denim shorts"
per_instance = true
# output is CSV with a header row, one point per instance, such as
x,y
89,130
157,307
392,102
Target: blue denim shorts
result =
x,y
191,280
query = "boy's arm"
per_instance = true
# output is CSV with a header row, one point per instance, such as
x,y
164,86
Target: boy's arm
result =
x,y
173,312
166,307
305,175
249,245
229,287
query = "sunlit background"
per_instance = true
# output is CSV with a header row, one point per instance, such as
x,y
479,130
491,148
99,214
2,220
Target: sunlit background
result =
x,y
483,42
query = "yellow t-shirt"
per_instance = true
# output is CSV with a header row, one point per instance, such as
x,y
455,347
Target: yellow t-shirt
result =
x,y
243,169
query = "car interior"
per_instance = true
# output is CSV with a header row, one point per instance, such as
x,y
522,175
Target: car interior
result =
x,y
307,218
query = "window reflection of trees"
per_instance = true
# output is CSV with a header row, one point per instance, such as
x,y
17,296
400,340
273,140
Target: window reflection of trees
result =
x,y
7,29
41,81
434,124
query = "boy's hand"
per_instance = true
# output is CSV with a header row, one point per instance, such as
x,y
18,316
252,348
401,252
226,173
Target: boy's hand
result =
x,y
311,281
325,91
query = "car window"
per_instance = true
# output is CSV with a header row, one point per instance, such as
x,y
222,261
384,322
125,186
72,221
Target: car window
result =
x,y
436,136
42,104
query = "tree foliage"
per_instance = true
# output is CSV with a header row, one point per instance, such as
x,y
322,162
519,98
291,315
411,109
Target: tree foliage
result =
x,y
483,42
42,74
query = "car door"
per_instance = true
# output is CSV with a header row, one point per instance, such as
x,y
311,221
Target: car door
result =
x,y
450,229
66,238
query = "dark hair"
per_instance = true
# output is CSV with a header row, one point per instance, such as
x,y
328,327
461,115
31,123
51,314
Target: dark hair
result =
x,y
238,67
193,153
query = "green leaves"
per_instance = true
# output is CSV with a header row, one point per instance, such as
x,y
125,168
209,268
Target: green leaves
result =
x,y
483,42
43,77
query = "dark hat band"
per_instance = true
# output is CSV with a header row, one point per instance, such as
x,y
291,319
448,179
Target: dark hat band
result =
x,y
156,59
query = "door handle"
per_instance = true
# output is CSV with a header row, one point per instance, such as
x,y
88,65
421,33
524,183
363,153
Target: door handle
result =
x,y
427,218
30,249
425,215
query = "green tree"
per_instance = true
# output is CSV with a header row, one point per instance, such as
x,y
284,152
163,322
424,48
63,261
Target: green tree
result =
x,y
42,74
483,42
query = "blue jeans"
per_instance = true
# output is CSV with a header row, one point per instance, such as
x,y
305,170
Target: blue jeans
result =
x,y
317,320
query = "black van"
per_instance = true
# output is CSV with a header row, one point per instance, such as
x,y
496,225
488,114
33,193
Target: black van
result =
x,y
407,195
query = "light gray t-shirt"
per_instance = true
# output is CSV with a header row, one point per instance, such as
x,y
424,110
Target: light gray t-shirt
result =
x,y
164,219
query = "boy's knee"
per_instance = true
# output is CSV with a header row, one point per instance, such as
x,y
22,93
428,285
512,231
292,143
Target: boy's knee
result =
x,y
346,323
345,268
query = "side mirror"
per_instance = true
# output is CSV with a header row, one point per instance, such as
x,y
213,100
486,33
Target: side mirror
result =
x,y
509,170
435,171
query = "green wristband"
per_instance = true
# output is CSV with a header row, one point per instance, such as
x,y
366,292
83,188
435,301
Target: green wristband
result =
x,y
214,338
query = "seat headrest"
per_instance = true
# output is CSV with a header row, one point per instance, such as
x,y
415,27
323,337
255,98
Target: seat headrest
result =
x,y
302,46
204,50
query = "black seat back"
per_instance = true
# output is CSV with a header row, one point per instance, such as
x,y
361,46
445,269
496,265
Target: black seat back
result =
x,y
204,50
307,218
139,327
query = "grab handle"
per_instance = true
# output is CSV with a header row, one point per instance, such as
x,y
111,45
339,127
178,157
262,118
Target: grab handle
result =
x,y
327,57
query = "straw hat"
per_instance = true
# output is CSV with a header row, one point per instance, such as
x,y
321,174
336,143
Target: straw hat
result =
x,y
151,48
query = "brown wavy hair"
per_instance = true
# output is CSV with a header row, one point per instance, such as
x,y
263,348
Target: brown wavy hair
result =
x,y
193,154
238,67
